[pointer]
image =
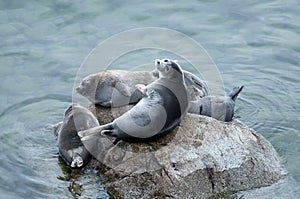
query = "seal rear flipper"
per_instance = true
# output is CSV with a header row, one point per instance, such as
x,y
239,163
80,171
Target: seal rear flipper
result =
x,y
77,161
68,110
88,132
94,131
111,133
235,92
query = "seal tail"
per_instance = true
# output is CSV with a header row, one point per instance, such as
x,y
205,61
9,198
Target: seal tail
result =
x,y
68,110
235,92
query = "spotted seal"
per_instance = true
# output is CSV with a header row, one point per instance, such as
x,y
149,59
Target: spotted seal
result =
x,y
164,104
218,107
71,149
115,88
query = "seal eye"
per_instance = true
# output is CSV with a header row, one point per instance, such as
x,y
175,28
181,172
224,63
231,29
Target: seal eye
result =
x,y
166,60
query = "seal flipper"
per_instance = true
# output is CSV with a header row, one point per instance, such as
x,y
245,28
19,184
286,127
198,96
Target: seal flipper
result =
x,y
111,133
77,161
88,132
94,131
136,96
235,92
122,88
155,73
69,109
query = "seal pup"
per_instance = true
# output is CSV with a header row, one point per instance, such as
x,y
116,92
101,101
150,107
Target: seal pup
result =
x,y
218,107
115,88
162,108
71,149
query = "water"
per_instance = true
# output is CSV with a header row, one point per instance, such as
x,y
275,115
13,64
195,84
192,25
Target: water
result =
x,y
255,44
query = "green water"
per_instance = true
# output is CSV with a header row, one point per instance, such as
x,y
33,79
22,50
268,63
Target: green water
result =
x,y
43,43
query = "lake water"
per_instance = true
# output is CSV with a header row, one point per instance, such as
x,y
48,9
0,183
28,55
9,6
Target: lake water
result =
x,y
43,43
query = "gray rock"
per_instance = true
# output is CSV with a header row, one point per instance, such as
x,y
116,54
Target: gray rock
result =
x,y
202,157
282,189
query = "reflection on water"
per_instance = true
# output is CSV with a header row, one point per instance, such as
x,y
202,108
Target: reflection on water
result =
x,y
255,44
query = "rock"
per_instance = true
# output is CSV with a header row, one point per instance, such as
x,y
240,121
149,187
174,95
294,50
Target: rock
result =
x,y
284,188
202,157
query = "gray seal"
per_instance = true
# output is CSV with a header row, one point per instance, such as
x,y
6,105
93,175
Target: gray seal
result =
x,y
71,149
162,108
115,88
218,107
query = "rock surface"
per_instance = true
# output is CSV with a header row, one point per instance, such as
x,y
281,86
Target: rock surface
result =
x,y
200,158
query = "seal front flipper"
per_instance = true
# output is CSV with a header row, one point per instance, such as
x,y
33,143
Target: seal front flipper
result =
x,y
142,88
122,88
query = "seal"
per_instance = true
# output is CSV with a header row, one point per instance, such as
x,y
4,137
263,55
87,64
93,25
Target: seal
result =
x,y
164,104
71,149
115,88
218,107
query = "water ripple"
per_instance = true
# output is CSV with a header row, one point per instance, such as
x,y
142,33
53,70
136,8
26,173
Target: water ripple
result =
x,y
58,97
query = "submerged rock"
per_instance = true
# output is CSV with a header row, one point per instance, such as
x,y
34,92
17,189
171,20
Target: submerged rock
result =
x,y
200,158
